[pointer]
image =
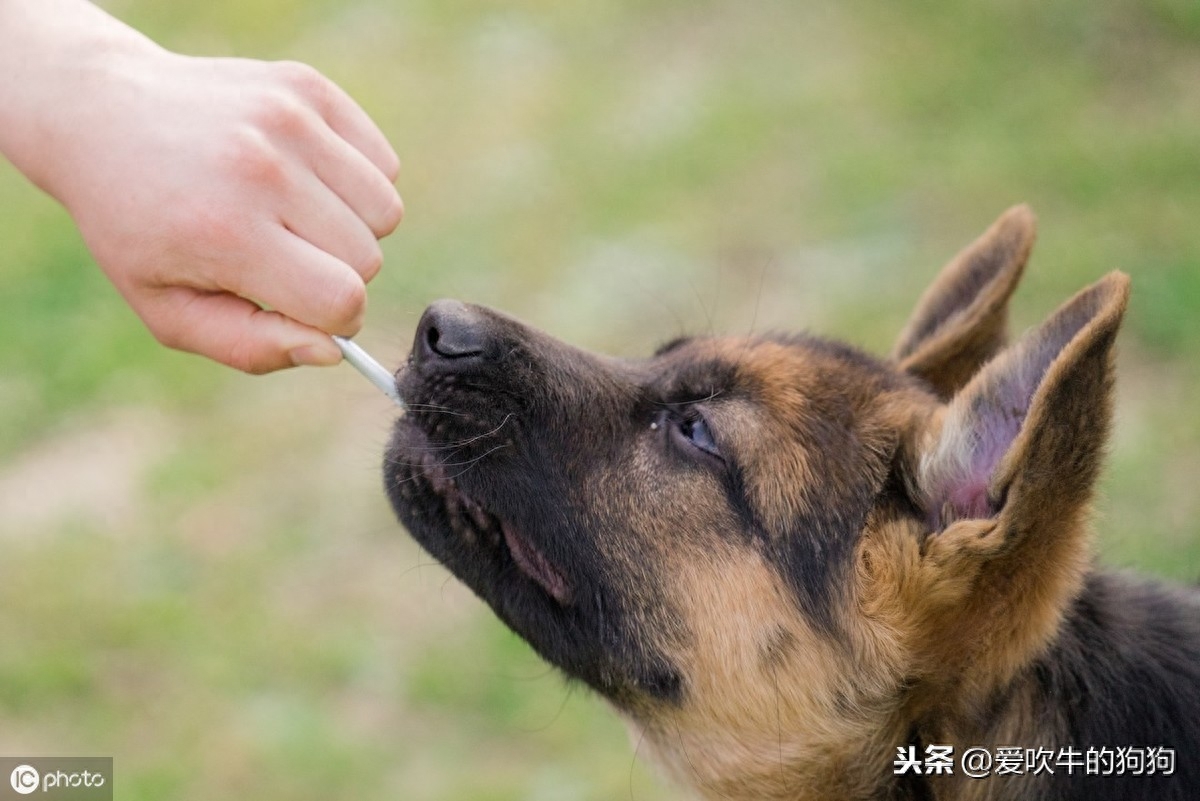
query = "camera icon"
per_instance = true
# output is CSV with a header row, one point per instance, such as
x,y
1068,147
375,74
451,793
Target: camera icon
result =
x,y
24,779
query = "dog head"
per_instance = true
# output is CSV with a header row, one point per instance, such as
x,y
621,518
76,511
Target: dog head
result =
x,y
773,554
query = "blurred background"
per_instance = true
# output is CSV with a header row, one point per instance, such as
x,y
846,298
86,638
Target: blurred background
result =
x,y
199,574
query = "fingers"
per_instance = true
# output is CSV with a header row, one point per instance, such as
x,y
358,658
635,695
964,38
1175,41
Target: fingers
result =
x,y
351,123
234,331
319,216
344,116
340,147
355,179
303,282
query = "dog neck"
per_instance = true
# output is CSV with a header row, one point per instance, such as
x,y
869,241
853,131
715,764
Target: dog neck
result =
x,y
734,765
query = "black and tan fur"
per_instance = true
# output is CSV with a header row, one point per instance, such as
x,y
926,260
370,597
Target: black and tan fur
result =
x,y
781,559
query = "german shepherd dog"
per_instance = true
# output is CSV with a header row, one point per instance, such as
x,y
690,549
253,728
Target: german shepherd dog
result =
x,y
789,564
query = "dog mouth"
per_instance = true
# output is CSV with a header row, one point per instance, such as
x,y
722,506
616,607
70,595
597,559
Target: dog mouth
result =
x,y
534,564
477,525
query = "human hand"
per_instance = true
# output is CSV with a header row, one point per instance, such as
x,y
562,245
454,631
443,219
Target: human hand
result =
x,y
210,188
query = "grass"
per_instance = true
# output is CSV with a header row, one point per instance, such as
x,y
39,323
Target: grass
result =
x,y
211,588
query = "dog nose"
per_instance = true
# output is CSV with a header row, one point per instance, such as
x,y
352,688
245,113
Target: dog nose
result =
x,y
451,331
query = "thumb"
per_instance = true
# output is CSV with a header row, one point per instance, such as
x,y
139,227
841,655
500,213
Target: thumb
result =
x,y
236,332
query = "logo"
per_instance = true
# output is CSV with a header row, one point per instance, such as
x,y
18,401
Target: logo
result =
x,y
54,778
24,779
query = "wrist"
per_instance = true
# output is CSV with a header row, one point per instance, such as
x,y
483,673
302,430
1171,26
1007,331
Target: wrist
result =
x,y
57,57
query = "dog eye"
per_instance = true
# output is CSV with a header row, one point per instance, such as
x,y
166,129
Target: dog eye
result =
x,y
695,430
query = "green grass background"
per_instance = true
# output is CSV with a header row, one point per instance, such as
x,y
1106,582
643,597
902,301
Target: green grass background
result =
x,y
198,572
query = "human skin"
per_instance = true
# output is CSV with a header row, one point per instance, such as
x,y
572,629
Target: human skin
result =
x,y
235,204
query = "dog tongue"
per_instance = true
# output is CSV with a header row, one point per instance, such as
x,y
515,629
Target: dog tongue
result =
x,y
533,564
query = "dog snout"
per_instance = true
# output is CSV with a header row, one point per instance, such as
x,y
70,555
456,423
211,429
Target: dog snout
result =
x,y
452,335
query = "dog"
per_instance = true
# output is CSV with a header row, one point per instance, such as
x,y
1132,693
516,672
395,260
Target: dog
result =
x,y
802,572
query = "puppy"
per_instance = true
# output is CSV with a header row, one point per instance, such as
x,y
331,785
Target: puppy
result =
x,y
801,572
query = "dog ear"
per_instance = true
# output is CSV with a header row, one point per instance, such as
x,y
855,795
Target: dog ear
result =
x,y
1005,483
1030,427
961,320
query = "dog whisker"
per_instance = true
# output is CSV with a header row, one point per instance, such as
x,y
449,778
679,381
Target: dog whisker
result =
x,y
462,443
426,408
633,762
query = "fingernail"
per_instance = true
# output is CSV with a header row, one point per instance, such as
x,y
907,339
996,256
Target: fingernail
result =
x,y
315,355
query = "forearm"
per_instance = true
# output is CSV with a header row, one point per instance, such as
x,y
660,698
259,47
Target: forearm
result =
x,y
53,53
